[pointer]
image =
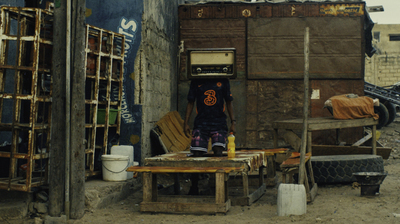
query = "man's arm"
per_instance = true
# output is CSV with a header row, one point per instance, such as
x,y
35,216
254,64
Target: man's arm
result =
x,y
229,107
189,109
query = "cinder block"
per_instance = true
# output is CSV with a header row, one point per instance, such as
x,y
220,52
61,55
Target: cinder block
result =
x,y
292,199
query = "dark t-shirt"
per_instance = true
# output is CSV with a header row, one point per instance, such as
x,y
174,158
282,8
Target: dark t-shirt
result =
x,y
209,95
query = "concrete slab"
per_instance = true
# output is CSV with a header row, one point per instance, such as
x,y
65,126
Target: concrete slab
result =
x,y
14,205
99,193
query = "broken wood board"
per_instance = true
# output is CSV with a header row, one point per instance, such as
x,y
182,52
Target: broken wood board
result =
x,y
170,130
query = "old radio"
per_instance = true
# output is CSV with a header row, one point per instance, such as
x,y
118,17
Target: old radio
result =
x,y
211,63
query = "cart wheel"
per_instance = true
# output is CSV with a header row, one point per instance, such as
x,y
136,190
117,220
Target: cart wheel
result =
x,y
392,111
340,168
383,113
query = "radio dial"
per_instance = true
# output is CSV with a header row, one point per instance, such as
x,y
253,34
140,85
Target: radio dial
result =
x,y
198,70
225,69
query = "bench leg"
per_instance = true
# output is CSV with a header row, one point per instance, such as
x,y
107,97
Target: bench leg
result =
x,y
245,178
149,187
261,176
220,191
177,186
275,138
271,173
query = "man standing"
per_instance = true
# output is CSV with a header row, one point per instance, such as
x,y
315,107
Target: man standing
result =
x,y
210,96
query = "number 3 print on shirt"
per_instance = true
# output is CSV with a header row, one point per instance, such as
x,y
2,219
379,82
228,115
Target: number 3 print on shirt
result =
x,y
210,99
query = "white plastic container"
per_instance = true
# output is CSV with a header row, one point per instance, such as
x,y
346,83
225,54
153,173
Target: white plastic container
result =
x,y
292,199
126,150
114,167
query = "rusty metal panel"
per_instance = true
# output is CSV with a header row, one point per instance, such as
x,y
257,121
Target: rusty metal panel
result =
x,y
231,11
325,89
265,11
274,52
219,11
356,9
296,10
183,12
293,10
268,101
201,12
213,33
247,10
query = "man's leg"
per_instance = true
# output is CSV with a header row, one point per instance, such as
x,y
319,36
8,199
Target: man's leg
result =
x,y
198,148
218,139
199,143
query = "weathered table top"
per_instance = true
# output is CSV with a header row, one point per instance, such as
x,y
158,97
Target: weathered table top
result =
x,y
323,123
248,160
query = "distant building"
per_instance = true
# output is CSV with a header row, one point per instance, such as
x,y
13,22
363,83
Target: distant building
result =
x,y
383,69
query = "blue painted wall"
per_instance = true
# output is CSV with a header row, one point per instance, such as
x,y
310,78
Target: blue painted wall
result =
x,y
125,17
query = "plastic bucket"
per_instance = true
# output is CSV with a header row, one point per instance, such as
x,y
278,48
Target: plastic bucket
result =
x,y
114,167
125,150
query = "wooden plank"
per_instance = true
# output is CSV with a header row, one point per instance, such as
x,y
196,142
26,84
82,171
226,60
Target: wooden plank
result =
x,y
261,176
186,198
245,179
197,208
328,150
323,123
220,187
363,140
178,124
294,160
256,194
162,169
165,136
57,155
313,193
78,69
147,187
277,150
173,133
271,171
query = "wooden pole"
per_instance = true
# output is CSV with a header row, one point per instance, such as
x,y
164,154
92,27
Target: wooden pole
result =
x,y
57,144
77,181
302,168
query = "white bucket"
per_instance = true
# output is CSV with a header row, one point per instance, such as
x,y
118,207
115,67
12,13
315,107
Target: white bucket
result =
x,y
125,150
292,199
114,167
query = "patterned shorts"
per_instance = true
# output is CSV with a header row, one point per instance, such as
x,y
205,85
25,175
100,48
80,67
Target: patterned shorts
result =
x,y
200,139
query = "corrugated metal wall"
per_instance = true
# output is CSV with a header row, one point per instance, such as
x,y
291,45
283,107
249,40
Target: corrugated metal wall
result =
x,y
269,43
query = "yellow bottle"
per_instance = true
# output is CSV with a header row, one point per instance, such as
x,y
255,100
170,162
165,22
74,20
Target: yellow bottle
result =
x,y
231,146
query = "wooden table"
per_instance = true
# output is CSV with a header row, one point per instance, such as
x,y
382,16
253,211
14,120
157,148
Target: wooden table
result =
x,y
324,123
245,161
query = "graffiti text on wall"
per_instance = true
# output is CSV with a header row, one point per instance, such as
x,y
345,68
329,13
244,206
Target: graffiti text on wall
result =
x,y
127,28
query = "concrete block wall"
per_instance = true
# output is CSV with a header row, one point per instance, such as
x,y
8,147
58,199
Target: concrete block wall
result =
x,y
383,70
155,65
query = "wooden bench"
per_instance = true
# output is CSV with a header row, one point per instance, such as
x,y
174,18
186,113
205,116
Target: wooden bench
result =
x,y
271,161
291,166
272,156
152,202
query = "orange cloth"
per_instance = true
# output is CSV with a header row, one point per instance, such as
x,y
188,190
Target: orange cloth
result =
x,y
353,108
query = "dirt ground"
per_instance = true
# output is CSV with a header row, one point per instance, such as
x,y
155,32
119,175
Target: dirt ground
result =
x,y
333,204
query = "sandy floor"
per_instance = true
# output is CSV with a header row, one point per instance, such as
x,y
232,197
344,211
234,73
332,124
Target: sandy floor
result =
x,y
333,204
